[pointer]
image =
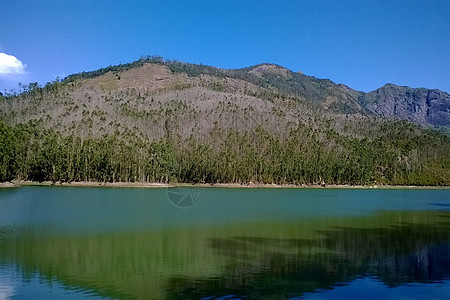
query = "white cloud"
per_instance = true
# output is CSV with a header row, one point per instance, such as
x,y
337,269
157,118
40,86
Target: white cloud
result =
x,y
10,65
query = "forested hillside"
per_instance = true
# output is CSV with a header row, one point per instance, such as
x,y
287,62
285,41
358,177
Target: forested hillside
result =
x,y
160,121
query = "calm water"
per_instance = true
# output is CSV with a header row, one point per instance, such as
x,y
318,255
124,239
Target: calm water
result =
x,y
71,243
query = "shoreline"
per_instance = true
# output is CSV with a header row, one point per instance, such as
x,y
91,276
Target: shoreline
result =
x,y
16,184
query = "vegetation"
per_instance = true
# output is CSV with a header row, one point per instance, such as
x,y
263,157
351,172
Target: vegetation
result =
x,y
29,152
155,120
291,84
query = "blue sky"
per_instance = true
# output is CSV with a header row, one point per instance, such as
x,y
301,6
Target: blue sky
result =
x,y
361,43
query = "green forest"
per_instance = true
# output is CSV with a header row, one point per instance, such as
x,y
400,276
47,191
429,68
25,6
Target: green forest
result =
x,y
31,152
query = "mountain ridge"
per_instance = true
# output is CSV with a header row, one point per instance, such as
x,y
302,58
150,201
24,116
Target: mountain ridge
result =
x,y
339,97
164,121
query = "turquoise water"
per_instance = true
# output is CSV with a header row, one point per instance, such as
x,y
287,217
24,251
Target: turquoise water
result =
x,y
62,242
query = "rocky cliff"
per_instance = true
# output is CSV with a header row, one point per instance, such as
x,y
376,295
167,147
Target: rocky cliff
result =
x,y
419,105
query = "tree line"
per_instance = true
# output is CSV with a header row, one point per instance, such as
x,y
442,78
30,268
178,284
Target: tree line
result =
x,y
305,156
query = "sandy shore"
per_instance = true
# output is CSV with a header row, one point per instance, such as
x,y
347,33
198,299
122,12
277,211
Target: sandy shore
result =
x,y
8,185
206,185
93,184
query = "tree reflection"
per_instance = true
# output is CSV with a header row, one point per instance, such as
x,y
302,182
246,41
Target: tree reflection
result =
x,y
402,253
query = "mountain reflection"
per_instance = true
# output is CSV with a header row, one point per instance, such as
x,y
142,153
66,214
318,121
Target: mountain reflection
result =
x,y
253,260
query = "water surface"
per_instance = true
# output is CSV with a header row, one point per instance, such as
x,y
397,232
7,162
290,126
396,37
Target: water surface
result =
x,y
62,242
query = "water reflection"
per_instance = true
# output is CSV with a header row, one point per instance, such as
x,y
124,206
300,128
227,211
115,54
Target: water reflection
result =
x,y
402,253
251,259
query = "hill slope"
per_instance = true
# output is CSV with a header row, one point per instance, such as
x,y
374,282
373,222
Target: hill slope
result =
x,y
169,121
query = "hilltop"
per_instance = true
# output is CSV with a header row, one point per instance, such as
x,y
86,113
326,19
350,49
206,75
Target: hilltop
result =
x,y
161,121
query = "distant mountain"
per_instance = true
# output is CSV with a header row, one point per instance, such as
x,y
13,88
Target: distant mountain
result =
x,y
174,96
421,106
157,120
425,107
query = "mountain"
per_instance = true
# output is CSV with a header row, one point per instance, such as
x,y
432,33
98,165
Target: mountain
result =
x,y
157,120
421,106
182,99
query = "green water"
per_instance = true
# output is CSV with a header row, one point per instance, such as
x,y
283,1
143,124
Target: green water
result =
x,y
71,243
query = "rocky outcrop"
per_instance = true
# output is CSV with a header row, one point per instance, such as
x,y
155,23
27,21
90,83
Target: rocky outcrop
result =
x,y
418,105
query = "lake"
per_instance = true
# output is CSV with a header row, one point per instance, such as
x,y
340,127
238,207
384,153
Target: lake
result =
x,y
224,243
